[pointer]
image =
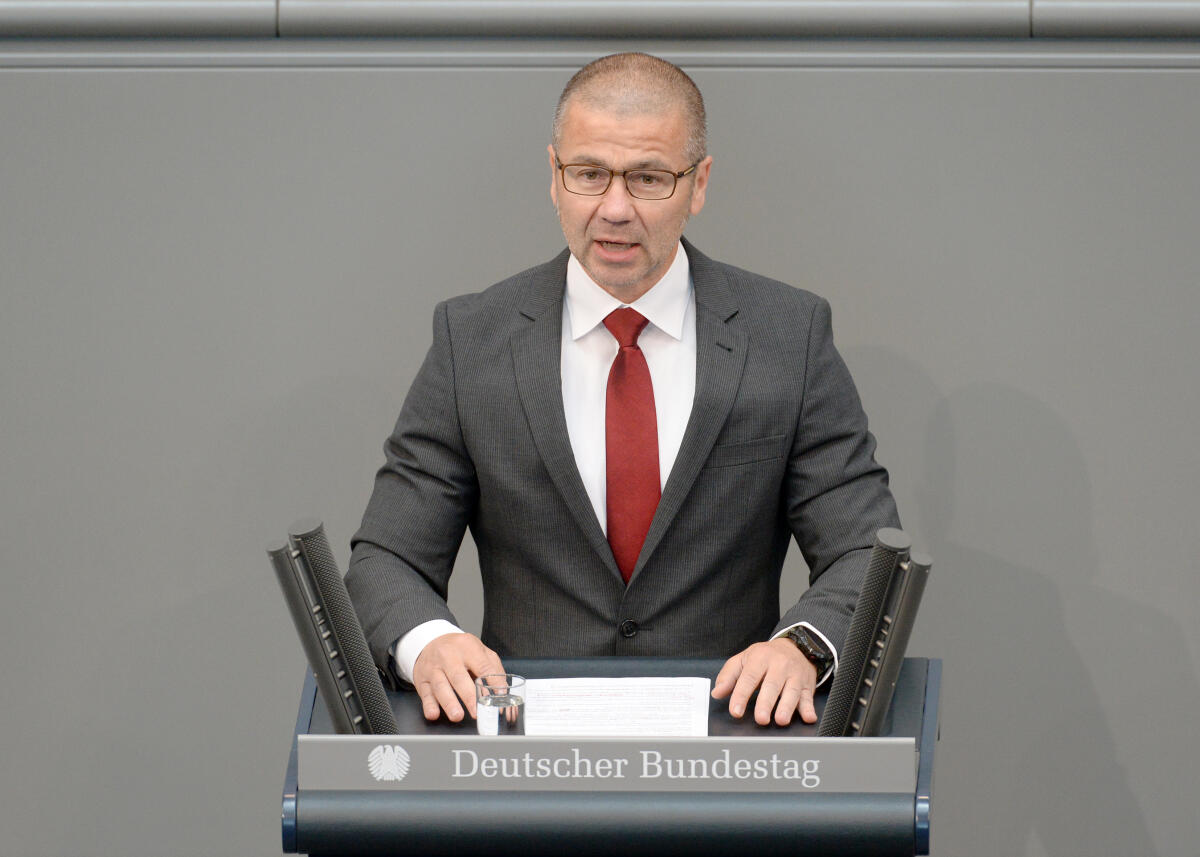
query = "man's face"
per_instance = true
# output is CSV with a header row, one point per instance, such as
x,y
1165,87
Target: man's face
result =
x,y
625,244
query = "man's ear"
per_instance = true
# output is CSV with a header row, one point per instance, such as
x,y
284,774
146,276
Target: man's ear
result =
x,y
553,176
700,185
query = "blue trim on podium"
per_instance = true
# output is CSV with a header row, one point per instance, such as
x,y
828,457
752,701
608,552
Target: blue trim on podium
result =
x,y
930,730
308,698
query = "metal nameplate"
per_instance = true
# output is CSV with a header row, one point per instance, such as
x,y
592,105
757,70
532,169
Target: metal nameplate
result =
x,y
471,763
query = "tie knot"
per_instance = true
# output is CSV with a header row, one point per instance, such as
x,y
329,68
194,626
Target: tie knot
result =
x,y
626,325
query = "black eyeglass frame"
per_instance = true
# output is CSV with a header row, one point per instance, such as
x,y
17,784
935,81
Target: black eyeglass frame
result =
x,y
612,174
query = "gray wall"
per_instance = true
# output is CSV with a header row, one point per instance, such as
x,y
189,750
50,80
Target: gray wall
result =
x,y
217,268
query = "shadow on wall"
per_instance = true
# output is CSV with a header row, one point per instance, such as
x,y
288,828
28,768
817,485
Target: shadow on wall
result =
x,y
1028,762
1045,667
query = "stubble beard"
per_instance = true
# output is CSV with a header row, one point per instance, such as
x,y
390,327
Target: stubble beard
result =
x,y
624,289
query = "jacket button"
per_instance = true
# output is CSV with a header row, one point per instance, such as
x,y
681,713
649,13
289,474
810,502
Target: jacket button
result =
x,y
629,628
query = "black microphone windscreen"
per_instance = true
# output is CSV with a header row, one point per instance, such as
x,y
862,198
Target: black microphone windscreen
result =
x,y
890,549
330,632
308,536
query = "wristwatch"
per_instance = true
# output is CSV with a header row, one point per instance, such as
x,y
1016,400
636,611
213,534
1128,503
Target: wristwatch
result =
x,y
812,647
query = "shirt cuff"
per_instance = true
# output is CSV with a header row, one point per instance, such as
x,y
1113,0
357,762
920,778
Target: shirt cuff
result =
x,y
831,671
408,648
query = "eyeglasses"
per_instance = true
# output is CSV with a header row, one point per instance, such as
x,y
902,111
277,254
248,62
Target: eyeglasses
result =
x,y
591,180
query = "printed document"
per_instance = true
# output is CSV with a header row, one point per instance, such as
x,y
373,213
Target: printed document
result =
x,y
617,707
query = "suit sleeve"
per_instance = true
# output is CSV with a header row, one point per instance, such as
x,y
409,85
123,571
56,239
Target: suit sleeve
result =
x,y
424,496
836,493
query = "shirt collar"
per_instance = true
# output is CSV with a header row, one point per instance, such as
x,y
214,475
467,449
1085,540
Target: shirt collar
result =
x,y
664,305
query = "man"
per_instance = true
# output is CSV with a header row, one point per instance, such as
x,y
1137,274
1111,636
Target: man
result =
x,y
632,432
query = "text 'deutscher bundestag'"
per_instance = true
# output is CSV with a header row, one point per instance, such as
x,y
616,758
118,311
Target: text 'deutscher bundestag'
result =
x,y
470,763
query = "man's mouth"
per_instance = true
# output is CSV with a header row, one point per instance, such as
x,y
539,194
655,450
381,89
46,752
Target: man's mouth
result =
x,y
615,245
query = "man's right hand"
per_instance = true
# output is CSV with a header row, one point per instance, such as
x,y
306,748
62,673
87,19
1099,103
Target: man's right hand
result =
x,y
445,672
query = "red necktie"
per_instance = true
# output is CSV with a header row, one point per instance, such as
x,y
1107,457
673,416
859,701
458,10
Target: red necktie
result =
x,y
631,442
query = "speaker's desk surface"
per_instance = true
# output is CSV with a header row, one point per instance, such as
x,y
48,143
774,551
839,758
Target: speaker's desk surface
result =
x,y
578,823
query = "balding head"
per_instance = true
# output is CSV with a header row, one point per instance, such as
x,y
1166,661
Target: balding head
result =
x,y
634,84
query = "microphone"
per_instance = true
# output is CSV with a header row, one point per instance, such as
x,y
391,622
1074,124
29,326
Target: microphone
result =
x,y
330,632
879,630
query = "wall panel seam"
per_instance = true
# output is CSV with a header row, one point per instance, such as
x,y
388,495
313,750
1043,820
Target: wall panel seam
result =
x,y
534,54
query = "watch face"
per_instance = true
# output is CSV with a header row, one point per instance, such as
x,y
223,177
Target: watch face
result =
x,y
813,649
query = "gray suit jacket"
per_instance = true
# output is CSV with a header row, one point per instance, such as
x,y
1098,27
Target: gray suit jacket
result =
x,y
776,446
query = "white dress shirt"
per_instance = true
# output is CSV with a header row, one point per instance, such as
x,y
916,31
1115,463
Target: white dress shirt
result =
x,y
588,349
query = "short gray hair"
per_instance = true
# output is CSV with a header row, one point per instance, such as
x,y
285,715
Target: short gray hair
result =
x,y
637,84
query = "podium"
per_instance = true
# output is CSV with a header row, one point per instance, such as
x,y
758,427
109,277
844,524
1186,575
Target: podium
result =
x,y
869,803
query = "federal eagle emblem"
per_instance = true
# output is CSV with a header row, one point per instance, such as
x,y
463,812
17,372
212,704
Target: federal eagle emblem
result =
x,y
388,763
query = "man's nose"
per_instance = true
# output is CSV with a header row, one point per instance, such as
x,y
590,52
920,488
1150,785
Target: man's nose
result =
x,y
616,206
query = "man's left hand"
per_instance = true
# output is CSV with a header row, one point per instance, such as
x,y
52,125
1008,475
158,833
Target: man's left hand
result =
x,y
784,677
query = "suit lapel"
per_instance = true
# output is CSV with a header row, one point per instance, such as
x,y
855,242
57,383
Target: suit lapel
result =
x,y
536,352
720,359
